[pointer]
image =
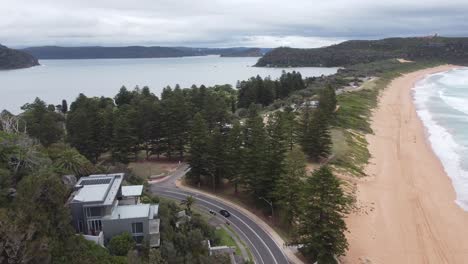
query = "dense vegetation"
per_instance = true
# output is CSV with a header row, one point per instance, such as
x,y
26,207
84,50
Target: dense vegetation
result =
x,y
35,221
251,52
265,91
55,52
15,59
452,50
263,155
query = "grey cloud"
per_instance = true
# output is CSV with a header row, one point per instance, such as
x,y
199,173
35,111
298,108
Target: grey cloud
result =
x,y
266,23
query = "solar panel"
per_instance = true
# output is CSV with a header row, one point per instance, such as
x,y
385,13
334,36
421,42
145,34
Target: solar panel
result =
x,y
96,181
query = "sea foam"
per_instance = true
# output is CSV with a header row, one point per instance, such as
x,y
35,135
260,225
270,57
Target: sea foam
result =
x,y
442,104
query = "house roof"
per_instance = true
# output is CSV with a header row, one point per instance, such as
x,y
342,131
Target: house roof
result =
x,y
132,190
97,189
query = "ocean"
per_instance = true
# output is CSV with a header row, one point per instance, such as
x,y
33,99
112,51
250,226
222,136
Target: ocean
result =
x,y
55,80
441,101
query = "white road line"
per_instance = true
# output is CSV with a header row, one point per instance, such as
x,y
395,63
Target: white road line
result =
x,y
266,246
253,245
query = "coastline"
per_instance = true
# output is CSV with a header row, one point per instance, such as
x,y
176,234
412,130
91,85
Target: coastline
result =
x,y
407,211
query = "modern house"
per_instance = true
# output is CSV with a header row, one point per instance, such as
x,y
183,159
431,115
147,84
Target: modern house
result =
x,y
102,208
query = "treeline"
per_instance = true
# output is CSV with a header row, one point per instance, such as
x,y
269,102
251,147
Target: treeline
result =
x,y
264,91
451,50
264,156
252,153
132,122
35,221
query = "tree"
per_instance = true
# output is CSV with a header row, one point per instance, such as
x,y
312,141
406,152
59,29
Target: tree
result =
x,y
124,138
216,164
321,224
121,244
64,107
199,137
234,155
90,125
176,114
69,160
42,122
188,202
255,154
314,134
123,97
288,187
327,100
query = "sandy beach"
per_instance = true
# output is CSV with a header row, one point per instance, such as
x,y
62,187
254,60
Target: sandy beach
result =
x,y
408,211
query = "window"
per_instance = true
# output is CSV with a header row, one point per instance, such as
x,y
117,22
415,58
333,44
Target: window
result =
x,y
137,228
93,211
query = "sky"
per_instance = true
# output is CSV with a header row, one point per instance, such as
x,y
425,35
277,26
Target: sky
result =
x,y
224,23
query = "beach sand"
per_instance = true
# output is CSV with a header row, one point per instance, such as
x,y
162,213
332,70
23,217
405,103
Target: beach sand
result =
x,y
408,213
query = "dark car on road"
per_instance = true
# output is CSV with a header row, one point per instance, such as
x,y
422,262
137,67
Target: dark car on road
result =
x,y
224,213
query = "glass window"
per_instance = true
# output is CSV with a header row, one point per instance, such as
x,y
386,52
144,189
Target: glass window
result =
x,y
137,228
93,211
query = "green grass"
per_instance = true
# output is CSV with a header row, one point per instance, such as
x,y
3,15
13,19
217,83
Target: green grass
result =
x,y
146,169
352,120
225,239
242,242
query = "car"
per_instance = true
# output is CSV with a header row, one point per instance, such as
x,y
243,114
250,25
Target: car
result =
x,y
224,213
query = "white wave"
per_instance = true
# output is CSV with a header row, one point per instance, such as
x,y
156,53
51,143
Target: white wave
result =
x,y
442,142
457,103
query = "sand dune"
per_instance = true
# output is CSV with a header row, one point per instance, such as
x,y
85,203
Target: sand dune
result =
x,y
409,214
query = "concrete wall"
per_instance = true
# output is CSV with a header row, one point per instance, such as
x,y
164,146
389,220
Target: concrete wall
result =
x,y
114,227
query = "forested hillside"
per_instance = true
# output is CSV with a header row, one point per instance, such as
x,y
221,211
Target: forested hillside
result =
x,y
55,52
15,59
452,50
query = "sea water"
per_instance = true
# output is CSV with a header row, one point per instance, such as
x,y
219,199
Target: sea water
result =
x,y
442,104
55,80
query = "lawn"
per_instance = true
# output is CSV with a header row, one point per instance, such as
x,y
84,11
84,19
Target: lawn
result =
x,y
152,169
226,240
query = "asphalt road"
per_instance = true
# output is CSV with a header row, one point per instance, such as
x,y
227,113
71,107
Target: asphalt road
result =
x,y
261,244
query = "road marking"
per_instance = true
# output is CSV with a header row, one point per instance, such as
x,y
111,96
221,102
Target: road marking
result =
x,y
245,235
266,246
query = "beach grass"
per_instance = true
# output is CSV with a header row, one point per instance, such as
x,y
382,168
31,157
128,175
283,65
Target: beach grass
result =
x,y
352,121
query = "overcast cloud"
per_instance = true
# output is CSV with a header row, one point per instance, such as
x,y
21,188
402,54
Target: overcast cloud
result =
x,y
224,23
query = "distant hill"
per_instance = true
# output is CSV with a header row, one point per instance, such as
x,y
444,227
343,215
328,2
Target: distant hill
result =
x,y
55,52
15,59
252,52
453,50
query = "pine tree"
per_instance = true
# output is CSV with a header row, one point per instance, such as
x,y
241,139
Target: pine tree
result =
x,y
216,157
198,151
315,134
234,156
255,156
275,153
289,185
327,100
64,107
124,139
321,224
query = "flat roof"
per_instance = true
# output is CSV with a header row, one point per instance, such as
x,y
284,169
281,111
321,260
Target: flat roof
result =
x,y
99,188
91,193
132,190
130,211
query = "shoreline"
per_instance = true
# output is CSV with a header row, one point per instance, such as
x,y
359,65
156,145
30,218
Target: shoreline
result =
x,y
407,211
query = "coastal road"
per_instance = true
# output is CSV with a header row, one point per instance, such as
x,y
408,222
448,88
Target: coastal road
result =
x,y
261,244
